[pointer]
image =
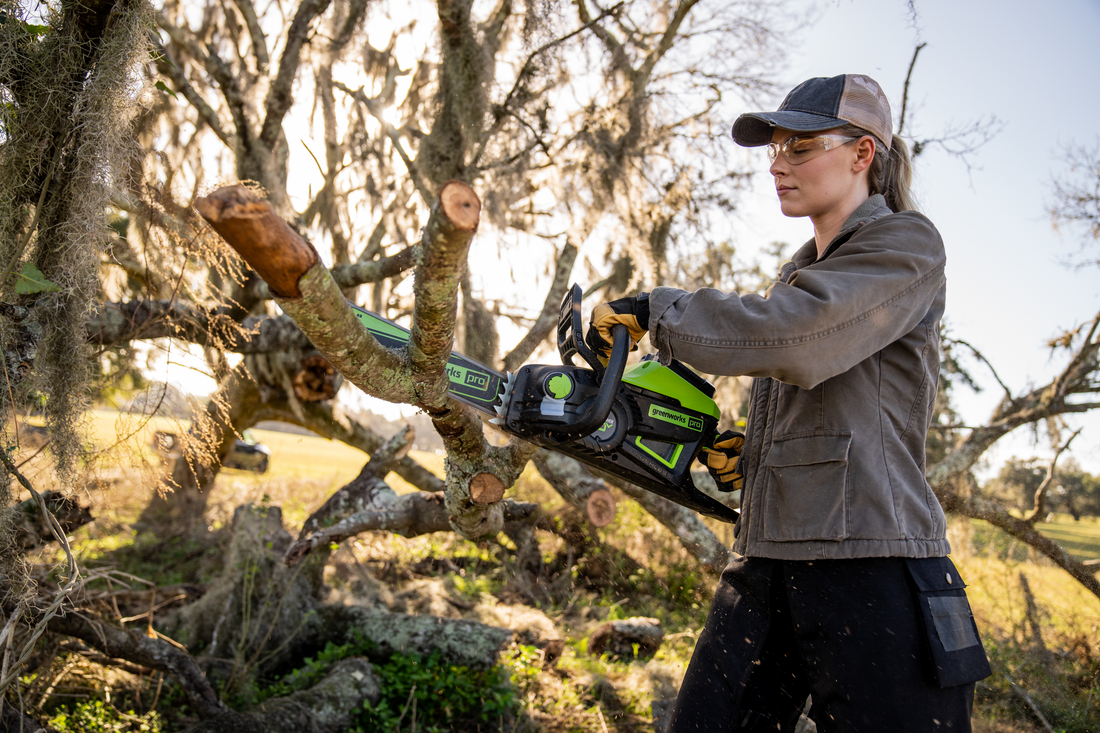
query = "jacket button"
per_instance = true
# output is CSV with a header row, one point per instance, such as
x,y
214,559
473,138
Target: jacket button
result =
x,y
949,581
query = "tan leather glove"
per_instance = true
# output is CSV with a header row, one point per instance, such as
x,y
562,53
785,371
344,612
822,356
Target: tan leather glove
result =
x,y
631,312
722,459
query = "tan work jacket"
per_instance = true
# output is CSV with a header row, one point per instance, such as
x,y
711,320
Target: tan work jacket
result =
x,y
846,354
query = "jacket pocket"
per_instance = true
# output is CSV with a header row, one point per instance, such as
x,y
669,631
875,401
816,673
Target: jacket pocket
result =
x,y
950,634
807,488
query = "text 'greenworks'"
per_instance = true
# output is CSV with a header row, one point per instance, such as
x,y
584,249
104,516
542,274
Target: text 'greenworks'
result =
x,y
676,418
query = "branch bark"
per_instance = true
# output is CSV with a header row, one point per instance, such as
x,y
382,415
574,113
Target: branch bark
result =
x,y
577,486
135,646
688,527
415,376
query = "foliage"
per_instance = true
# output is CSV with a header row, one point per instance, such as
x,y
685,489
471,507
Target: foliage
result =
x,y
438,697
427,694
1073,491
96,716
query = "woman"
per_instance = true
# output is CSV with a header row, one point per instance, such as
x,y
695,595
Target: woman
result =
x,y
842,589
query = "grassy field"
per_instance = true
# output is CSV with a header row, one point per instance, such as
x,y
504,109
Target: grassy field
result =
x,y
304,470
1054,653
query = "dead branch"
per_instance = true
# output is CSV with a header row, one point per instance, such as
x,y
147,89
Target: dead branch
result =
x,y
548,317
410,515
578,486
361,492
905,88
1039,507
688,527
153,652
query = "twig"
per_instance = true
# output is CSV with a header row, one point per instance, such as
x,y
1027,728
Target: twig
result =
x,y
905,89
1022,693
13,669
1039,505
978,355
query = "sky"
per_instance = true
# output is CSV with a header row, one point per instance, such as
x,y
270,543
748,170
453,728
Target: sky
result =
x,y
1038,72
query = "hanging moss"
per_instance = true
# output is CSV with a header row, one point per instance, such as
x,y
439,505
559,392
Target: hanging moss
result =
x,y
69,86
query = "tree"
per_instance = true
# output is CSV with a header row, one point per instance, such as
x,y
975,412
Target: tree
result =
x,y
564,117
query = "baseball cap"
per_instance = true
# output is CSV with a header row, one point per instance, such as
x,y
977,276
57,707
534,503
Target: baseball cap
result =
x,y
822,104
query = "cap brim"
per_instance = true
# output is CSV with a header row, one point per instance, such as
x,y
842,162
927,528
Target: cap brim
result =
x,y
755,129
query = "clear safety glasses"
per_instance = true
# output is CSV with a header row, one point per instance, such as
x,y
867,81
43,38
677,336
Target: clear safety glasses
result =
x,y
798,149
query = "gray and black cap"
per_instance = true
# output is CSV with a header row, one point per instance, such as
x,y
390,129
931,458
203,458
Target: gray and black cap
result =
x,y
822,104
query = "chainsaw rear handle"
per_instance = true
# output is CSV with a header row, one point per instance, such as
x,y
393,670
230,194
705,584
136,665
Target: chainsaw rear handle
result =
x,y
609,384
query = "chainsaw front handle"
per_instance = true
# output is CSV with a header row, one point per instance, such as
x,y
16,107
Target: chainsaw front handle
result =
x,y
609,384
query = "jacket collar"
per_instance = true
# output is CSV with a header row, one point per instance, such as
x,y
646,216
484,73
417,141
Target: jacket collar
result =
x,y
873,208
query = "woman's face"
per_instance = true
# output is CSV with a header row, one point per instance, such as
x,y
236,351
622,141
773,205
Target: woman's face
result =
x,y
825,183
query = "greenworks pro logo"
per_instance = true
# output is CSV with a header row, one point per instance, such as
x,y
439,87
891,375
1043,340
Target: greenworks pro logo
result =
x,y
676,418
461,375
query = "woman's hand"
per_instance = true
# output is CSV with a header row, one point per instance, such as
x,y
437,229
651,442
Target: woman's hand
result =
x,y
631,312
722,459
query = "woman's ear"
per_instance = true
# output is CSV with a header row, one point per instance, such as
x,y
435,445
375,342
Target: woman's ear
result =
x,y
865,153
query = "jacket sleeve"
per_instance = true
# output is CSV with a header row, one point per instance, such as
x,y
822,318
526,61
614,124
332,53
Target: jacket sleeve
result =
x,y
830,316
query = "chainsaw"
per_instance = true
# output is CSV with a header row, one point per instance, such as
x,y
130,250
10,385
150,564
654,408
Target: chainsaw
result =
x,y
644,423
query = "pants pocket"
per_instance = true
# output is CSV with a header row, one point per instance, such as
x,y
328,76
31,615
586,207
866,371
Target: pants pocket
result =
x,y
951,637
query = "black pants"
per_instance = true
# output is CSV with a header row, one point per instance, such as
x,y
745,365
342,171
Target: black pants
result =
x,y
848,632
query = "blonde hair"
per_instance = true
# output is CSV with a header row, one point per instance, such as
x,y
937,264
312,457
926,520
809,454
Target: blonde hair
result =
x,y
891,172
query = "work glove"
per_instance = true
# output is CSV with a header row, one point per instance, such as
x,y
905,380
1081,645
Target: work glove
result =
x,y
722,459
631,312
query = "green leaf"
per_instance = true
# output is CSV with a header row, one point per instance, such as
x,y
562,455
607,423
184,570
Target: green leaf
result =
x,y
31,280
164,88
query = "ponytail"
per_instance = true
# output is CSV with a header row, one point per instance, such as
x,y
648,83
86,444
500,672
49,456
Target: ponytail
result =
x,y
891,172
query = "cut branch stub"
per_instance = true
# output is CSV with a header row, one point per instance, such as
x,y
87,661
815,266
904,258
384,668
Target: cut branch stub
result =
x,y
600,507
485,489
460,205
316,381
260,237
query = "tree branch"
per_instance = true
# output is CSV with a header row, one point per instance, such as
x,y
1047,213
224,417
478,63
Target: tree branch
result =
x,y
981,357
548,317
409,515
446,241
1039,507
134,646
280,96
905,88
578,486
255,32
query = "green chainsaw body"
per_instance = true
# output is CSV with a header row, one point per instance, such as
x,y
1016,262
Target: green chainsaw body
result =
x,y
645,423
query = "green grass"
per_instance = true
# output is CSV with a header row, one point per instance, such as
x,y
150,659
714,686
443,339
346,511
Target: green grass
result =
x,y
1081,539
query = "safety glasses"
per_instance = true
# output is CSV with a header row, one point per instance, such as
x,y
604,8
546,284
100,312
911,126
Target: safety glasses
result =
x,y
797,149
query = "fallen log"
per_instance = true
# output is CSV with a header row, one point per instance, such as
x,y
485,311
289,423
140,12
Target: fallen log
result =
x,y
326,707
578,486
